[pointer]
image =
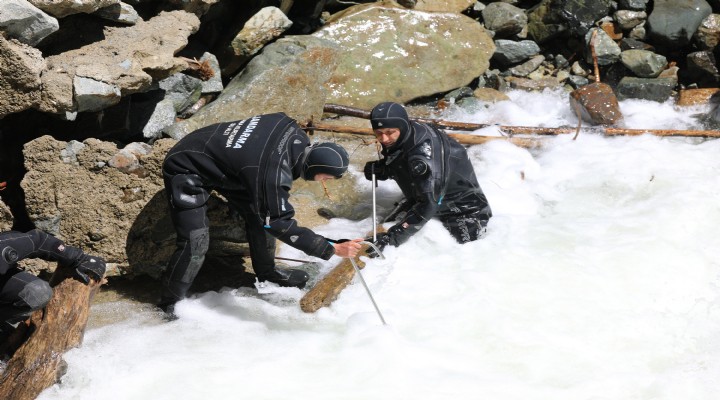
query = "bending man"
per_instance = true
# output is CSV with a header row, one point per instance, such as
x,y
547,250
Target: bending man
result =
x,y
434,174
253,164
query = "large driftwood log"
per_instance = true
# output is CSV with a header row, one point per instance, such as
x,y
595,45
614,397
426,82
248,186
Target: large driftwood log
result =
x,y
37,363
329,287
523,130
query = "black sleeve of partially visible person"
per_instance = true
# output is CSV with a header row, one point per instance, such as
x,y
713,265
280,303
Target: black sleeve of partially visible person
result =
x,y
37,244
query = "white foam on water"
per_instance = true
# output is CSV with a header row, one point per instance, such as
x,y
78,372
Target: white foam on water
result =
x,y
599,279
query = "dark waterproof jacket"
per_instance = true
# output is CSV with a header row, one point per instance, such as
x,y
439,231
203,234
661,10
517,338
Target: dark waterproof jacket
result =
x,y
435,176
252,163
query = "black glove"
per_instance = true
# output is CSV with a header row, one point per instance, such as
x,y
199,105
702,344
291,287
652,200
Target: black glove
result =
x,y
378,167
383,239
90,267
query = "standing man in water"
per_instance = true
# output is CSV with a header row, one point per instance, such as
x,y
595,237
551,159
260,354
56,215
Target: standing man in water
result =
x,y
22,293
252,163
434,174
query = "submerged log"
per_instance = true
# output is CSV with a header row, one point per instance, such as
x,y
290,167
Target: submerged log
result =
x,y
329,287
527,130
37,363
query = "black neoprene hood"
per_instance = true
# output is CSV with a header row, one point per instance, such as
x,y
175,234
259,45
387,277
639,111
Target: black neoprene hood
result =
x,y
390,115
325,158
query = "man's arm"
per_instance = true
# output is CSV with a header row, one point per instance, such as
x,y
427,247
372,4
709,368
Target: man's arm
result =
x,y
38,244
424,166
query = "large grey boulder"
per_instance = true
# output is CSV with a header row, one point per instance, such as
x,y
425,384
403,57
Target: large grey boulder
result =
x,y
22,21
552,18
607,50
644,63
289,75
504,19
129,59
673,23
63,8
122,13
509,52
395,54
20,83
707,36
263,27
657,89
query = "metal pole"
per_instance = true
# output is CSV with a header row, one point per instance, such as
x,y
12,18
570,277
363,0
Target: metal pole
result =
x,y
367,289
374,208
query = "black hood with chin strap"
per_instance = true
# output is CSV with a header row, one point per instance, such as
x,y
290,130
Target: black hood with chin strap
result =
x,y
391,115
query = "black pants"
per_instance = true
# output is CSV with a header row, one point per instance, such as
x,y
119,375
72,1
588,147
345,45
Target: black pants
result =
x,y
466,227
188,210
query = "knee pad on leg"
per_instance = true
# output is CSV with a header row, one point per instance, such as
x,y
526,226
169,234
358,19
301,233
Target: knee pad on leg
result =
x,y
199,243
187,191
34,296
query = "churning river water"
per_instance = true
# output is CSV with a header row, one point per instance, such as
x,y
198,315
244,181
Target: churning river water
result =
x,y
599,279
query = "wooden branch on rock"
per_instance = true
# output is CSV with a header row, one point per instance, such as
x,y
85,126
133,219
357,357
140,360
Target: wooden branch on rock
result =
x,y
200,69
49,333
525,130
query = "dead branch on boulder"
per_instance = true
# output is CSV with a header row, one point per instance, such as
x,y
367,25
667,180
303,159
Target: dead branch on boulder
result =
x,y
199,69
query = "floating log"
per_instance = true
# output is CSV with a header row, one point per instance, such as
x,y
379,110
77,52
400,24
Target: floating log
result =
x,y
37,363
329,287
527,130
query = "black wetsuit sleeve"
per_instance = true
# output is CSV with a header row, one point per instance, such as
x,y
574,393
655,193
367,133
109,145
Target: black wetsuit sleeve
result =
x,y
38,244
281,224
425,198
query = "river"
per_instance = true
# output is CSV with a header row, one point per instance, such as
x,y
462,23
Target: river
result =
x,y
599,279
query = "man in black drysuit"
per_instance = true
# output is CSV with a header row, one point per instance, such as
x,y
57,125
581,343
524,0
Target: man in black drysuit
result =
x,y
252,163
22,293
434,174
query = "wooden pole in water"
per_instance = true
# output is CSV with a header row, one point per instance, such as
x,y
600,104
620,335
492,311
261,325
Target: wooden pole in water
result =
x,y
525,130
37,363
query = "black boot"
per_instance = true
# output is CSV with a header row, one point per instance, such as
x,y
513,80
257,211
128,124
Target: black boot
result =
x,y
286,277
167,306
